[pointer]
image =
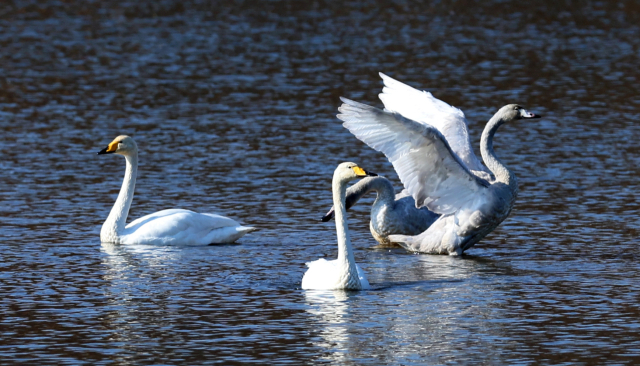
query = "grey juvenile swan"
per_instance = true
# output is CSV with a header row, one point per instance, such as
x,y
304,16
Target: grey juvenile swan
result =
x,y
427,142
391,213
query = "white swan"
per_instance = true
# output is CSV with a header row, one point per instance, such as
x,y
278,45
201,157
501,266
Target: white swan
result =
x,y
342,273
427,142
391,213
167,227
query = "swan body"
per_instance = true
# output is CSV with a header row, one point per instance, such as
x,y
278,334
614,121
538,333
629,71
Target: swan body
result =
x,y
330,275
427,142
391,213
342,273
167,227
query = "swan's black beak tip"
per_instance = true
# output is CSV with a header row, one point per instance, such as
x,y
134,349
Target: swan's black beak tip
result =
x,y
369,174
104,151
536,115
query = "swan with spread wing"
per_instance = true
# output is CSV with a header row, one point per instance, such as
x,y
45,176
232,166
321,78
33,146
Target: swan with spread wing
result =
x,y
427,141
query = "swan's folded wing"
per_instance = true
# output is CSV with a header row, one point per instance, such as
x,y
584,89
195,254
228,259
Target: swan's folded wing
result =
x,y
429,170
423,107
181,226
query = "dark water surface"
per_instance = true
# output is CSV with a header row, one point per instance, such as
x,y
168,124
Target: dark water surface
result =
x,y
233,108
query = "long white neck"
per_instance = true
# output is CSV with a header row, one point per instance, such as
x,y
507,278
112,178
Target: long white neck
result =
x,y
114,226
346,260
499,170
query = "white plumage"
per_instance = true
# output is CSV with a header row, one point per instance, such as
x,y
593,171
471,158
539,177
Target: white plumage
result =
x,y
167,227
328,275
342,273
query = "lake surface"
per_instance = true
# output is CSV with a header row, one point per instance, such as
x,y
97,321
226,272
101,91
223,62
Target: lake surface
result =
x,y
233,108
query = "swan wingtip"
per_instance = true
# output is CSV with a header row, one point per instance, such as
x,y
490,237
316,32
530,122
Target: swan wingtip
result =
x,y
347,101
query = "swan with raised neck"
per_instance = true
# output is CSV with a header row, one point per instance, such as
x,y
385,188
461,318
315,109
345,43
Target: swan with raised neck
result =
x,y
115,224
427,141
342,273
505,114
166,227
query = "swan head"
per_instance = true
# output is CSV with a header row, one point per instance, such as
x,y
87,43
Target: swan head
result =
x,y
512,112
349,171
123,145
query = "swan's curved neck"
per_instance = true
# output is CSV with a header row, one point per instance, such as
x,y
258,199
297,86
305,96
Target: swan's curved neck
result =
x,y
382,186
346,260
384,189
499,170
114,226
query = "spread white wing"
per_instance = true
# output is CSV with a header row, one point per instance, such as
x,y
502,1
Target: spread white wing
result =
x,y
421,106
432,173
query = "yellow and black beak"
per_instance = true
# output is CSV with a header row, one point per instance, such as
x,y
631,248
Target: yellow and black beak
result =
x,y
109,149
363,173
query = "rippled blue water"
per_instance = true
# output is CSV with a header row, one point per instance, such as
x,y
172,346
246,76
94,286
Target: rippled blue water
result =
x,y
233,107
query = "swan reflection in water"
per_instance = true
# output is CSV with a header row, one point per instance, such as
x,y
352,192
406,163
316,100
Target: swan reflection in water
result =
x,y
331,311
455,298
420,310
128,269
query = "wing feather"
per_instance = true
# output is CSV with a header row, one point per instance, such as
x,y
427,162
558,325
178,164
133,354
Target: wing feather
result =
x,y
423,107
432,173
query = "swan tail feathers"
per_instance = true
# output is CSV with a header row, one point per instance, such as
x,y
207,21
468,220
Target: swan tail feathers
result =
x,y
429,243
246,229
228,234
405,241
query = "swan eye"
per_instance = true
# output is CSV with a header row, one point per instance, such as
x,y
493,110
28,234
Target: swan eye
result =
x,y
516,108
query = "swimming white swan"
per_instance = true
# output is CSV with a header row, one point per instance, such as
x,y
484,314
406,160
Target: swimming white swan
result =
x,y
342,273
427,142
167,227
391,213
